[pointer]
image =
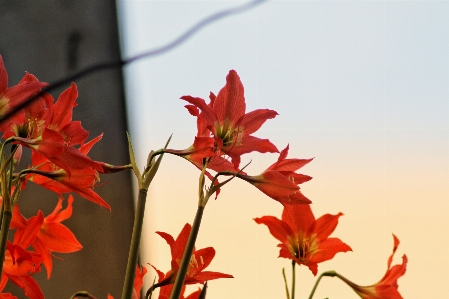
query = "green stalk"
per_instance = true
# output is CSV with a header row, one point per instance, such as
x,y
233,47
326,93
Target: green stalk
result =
x,y
327,273
293,279
6,210
6,221
285,283
135,243
182,272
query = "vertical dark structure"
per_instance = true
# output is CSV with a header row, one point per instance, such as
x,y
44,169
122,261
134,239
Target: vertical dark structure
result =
x,y
52,39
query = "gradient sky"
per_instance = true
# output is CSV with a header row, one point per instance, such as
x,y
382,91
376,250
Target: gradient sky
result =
x,y
361,86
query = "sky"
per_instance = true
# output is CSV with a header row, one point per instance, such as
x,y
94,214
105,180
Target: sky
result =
x,y
360,86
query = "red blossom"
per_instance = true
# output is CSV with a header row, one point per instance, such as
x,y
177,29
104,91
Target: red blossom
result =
x,y
304,239
49,130
199,260
18,267
387,287
225,122
46,235
80,181
14,96
280,181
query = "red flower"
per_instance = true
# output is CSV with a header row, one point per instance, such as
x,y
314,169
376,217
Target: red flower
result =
x,y
224,119
49,130
280,181
304,239
198,262
18,94
387,287
18,266
80,181
46,235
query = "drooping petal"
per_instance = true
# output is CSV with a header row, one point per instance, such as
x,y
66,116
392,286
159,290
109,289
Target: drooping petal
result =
x,y
207,112
30,287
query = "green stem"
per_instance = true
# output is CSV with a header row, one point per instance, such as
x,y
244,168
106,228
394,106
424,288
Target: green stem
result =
x,y
293,279
327,273
6,221
134,248
182,272
285,283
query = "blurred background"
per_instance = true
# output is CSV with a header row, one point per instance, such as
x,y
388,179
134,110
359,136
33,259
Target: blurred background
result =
x,y
361,86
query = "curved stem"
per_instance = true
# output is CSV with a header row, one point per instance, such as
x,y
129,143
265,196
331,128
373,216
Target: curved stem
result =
x,y
183,267
327,273
134,248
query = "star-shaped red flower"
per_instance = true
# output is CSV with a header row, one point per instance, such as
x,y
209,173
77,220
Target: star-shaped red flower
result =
x,y
199,260
225,120
304,239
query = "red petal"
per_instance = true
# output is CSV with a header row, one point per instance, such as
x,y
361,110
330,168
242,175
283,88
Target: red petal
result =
x,y
230,101
170,241
299,217
210,275
252,121
327,249
29,233
207,112
325,225
278,228
29,286
46,256
193,110
63,109
57,237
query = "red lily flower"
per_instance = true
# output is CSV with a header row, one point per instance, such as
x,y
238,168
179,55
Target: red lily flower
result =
x,y
224,119
49,130
46,235
280,181
198,262
304,239
18,266
80,181
387,287
15,95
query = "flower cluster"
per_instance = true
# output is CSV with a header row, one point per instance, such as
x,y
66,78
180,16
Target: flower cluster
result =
x,y
60,163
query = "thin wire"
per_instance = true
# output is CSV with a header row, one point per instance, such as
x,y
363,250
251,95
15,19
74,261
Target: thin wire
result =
x,y
152,53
